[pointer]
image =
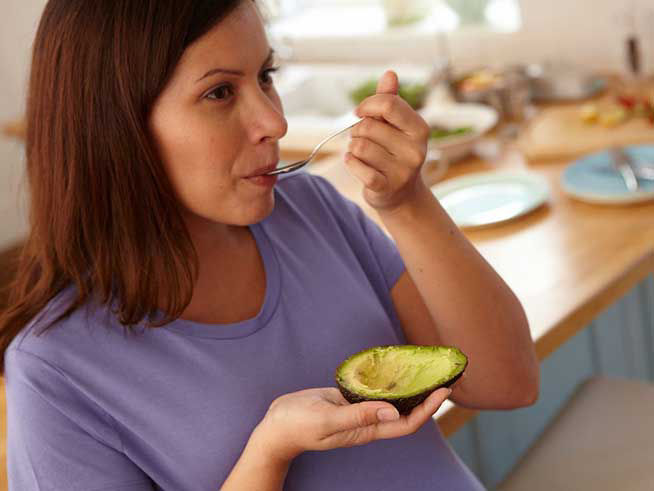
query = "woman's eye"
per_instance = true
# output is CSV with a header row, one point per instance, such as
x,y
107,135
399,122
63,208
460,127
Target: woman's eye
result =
x,y
225,92
266,76
221,93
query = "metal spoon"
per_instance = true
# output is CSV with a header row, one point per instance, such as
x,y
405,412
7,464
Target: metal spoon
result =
x,y
298,165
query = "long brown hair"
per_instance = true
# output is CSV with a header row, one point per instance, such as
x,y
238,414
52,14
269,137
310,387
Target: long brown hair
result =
x,y
103,214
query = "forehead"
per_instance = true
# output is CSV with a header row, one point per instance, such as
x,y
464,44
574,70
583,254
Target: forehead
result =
x,y
230,43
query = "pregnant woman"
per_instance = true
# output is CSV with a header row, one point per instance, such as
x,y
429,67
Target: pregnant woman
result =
x,y
177,316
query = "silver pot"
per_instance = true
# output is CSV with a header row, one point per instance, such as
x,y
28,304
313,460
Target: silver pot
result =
x,y
562,83
509,95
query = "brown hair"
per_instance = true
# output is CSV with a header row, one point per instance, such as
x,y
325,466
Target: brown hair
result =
x,y
103,215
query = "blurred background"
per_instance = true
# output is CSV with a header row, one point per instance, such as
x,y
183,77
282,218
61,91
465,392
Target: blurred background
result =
x,y
542,150
352,41
467,34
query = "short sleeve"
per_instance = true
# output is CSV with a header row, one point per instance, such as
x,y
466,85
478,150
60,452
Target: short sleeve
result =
x,y
56,438
383,248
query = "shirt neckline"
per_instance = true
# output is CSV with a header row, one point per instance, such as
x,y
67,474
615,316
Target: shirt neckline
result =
x,y
249,326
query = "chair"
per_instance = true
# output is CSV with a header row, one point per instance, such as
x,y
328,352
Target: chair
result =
x,y
602,440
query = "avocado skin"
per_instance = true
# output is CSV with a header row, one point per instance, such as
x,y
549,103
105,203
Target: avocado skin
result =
x,y
403,405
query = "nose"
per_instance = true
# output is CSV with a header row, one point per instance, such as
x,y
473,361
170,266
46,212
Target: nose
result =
x,y
266,119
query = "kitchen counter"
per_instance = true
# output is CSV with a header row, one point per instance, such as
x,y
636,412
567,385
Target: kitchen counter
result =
x,y
566,261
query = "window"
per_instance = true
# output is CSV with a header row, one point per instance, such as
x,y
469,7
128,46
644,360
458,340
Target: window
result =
x,y
345,17
371,31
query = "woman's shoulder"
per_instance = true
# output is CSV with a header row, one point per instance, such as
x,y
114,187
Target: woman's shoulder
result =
x,y
51,337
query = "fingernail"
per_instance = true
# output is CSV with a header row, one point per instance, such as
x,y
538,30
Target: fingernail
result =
x,y
387,414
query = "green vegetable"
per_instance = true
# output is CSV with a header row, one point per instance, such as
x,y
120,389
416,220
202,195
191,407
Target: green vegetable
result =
x,y
403,375
414,94
438,132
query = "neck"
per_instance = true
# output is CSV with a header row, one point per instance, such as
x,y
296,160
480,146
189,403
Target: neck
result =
x,y
212,239
230,286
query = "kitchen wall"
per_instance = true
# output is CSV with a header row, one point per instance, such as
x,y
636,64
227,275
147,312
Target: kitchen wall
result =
x,y
588,31
591,32
17,28
577,31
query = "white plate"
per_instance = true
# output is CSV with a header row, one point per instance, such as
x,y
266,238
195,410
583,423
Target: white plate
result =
x,y
487,198
479,117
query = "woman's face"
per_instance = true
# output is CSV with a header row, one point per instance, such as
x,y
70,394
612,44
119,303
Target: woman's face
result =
x,y
218,121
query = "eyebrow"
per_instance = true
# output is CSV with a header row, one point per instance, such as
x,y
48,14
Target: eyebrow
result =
x,y
235,72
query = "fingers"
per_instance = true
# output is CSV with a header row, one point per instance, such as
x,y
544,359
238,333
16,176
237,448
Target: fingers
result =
x,y
409,424
426,410
395,111
384,135
388,83
370,177
333,395
380,143
362,423
353,416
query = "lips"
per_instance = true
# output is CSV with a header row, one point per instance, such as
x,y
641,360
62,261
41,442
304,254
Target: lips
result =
x,y
263,170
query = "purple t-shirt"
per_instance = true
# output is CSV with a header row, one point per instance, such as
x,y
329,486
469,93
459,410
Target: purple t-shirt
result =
x,y
91,408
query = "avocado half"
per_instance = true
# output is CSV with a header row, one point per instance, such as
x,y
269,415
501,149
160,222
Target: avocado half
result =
x,y
403,375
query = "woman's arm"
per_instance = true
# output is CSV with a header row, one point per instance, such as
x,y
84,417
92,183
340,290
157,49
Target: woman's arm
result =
x,y
257,468
467,303
450,295
318,419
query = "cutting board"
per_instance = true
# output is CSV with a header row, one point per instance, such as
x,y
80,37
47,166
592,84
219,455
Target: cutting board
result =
x,y
558,132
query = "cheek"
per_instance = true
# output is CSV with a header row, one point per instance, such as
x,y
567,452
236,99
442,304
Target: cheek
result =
x,y
198,158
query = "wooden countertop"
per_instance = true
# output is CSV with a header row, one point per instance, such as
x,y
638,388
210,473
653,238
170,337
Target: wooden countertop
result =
x,y
566,261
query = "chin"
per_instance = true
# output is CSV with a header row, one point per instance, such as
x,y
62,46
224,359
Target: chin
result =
x,y
250,213
259,217
265,209
255,214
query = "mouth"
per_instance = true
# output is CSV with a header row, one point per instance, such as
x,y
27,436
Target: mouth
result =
x,y
260,179
262,171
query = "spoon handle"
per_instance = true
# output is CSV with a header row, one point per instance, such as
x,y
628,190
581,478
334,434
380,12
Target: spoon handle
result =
x,y
329,138
298,165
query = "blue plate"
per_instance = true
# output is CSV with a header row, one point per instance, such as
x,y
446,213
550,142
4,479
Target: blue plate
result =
x,y
594,179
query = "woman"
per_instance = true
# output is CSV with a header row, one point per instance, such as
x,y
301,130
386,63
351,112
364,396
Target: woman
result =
x,y
177,317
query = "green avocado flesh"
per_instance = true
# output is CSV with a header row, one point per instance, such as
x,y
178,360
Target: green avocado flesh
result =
x,y
403,375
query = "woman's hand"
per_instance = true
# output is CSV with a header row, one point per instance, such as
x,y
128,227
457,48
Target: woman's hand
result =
x,y
388,147
321,419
